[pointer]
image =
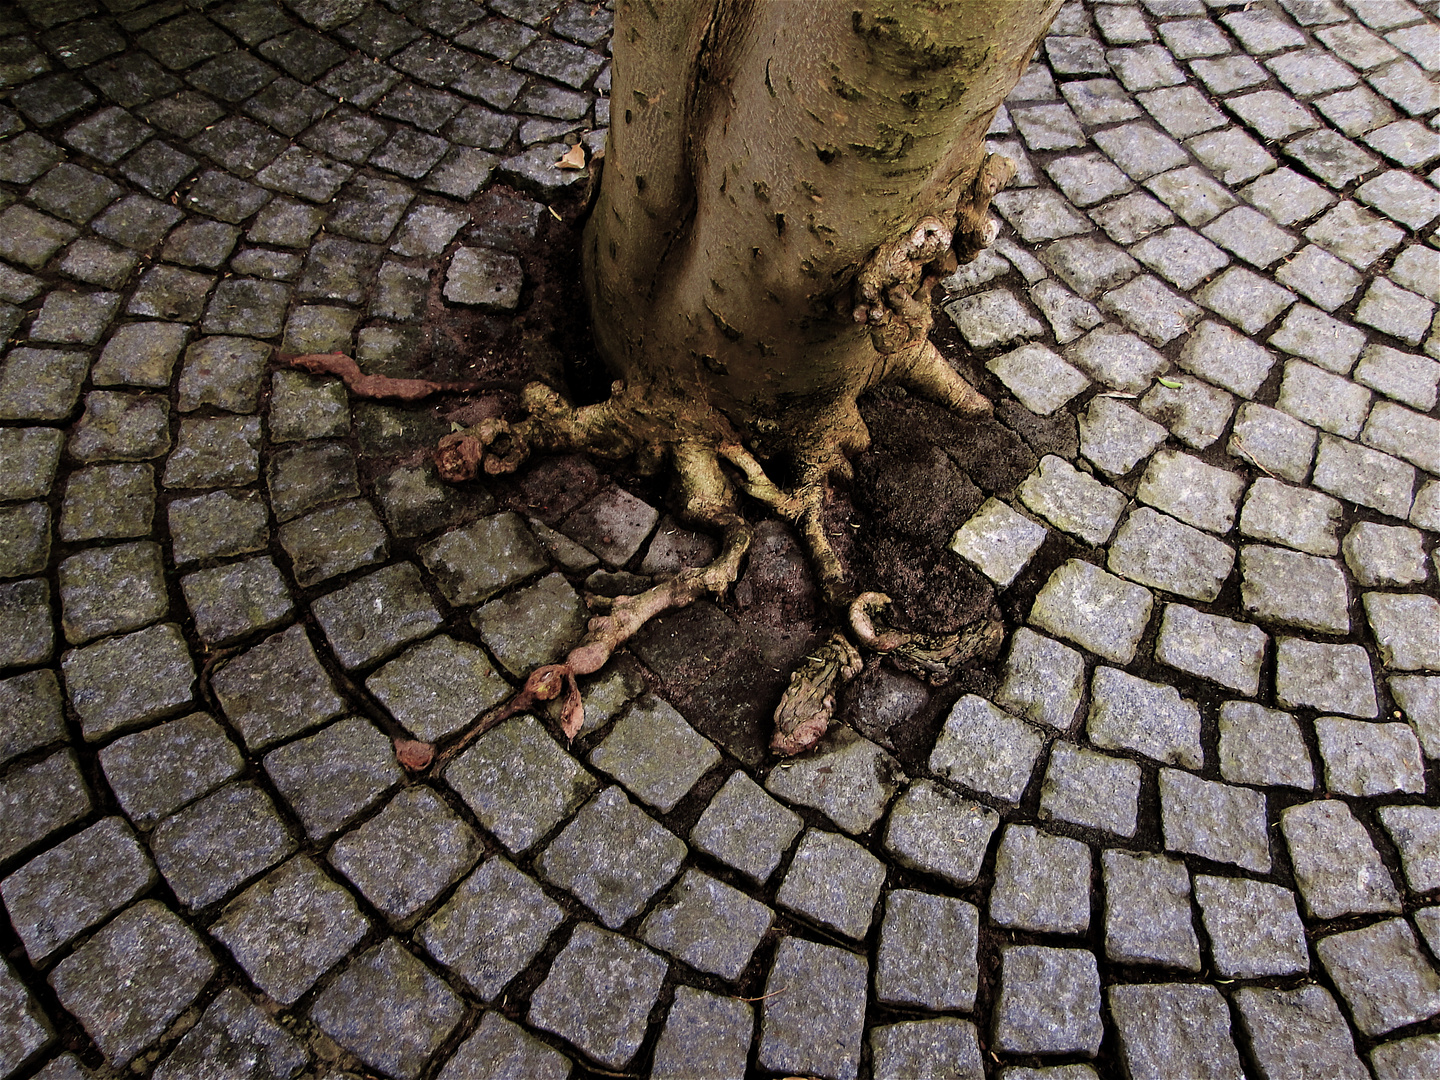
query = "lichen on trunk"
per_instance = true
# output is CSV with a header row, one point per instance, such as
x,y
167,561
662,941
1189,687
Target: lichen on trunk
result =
x,y
782,185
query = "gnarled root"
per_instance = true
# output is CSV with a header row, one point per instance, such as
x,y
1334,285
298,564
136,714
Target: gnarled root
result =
x,y
934,657
809,701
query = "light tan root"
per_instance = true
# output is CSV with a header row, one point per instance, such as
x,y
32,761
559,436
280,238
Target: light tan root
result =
x,y
809,701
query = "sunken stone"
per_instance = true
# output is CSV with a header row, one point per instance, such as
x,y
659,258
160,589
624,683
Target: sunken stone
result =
x,y
656,754
213,845
927,952
704,1034
519,783
1382,974
833,881
1095,610
598,995
491,927
746,829
847,778
1174,1030
1147,911
407,854
1301,1030
128,982
389,1010
613,857
142,768
233,1033
986,749
1253,927
1049,1002
707,924
128,681
1337,867
1262,746
815,1028
1214,820
276,689
934,830
290,928
331,777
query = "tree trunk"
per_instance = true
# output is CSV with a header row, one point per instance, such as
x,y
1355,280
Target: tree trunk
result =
x,y
779,176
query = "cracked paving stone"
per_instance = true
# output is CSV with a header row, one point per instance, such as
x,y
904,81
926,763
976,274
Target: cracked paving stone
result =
x,y
491,927
936,831
1363,758
1174,1030
406,855
1299,1030
1337,868
1128,713
77,884
376,616
1330,678
1253,926
140,767
232,602
709,925
927,952
1213,820
1048,1002
1068,315
1382,974
986,749
992,318
1263,747
1156,550
1147,911
817,1027
289,928
128,681
1042,883
847,778
1294,589
1251,236
499,1046
519,783
833,881
110,590
1072,501
598,995
333,776
44,384
212,846
473,563
1087,179
276,689
1115,437
234,1031
128,982
1191,194
1093,609
746,829
389,1010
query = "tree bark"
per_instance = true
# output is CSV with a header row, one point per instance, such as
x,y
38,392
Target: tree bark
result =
x,y
779,177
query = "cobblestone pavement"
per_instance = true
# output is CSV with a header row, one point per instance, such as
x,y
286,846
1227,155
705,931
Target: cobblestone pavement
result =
x,y
1186,825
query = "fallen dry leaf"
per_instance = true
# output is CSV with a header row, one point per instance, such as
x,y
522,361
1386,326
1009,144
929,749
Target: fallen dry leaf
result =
x,y
574,158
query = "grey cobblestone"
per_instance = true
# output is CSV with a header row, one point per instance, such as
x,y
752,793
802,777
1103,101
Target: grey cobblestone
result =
x,y
1187,488
1363,758
1049,1001
1147,911
1382,974
1173,1029
934,830
1156,550
1214,820
814,1030
1336,865
1092,790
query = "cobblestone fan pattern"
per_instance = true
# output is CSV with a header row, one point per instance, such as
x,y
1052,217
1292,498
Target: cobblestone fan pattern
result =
x,y
1187,828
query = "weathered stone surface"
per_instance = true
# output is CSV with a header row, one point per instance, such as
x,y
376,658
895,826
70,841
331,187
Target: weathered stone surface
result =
x,y
234,1035
1419,697
1295,589
1049,1001
710,925
1364,759
1072,501
1040,379
933,830
598,995
1299,1030
1043,679
334,775
1127,713
531,626
232,602
1174,1030
1296,517
815,1027
1382,974
438,687
128,681
24,1029
1212,647
1273,440
927,952
1253,927
1187,488
1095,610
998,541
986,749
1147,911
1404,626
389,1010
290,928
1337,867
833,881
1404,1058
1385,554
377,615
1262,746
1115,437
1042,883
276,689
128,982
1416,834
213,845
33,711
655,753
1214,820
1364,476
